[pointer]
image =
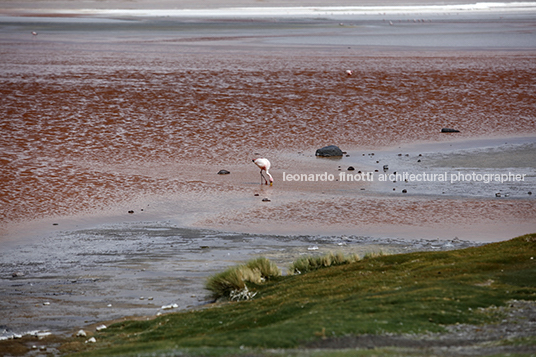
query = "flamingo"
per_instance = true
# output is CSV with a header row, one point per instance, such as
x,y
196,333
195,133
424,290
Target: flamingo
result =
x,y
264,165
349,72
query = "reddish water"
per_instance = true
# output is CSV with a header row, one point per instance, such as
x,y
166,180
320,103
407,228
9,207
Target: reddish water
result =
x,y
89,126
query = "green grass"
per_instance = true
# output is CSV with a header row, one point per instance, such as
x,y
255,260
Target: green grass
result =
x,y
404,293
231,282
311,263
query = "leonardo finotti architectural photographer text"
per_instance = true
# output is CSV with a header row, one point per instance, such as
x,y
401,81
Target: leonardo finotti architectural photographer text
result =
x,y
408,177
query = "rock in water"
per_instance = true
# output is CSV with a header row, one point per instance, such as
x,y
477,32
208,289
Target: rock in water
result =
x,y
223,172
447,130
329,151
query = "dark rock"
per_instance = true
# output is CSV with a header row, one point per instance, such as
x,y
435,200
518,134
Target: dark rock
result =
x,y
404,191
447,130
17,274
385,168
223,172
265,200
351,168
329,151
131,212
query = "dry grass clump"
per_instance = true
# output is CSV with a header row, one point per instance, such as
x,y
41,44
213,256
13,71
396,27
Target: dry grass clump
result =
x,y
232,281
311,263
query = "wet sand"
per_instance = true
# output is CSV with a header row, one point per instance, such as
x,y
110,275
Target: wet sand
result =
x,y
101,116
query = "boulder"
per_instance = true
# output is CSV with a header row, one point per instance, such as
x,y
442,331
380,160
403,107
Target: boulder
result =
x,y
447,130
329,151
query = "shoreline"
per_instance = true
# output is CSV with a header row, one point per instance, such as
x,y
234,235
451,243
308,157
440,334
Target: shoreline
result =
x,y
209,212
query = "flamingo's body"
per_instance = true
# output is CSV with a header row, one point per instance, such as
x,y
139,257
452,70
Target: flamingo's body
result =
x,y
349,72
264,165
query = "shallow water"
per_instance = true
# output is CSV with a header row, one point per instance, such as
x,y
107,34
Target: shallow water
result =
x,y
95,121
102,117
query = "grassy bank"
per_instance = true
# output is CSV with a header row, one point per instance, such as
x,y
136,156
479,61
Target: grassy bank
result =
x,y
405,293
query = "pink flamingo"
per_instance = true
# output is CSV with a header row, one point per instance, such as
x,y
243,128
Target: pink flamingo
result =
x,y
264,165
349,72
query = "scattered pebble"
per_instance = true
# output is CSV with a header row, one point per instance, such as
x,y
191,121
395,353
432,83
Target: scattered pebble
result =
x,y
313,248
223,172
91,340
46,303
101,327
17,274
169,307
265,200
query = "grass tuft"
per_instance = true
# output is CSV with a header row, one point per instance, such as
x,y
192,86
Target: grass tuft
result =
x,y
233,280
312,263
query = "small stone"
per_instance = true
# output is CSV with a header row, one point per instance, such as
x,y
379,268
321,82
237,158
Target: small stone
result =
x,y
498,194
223,172
447,130
351,168
131,212
101,327
265,200
46,303
17,274
81,333
404,191
91,340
